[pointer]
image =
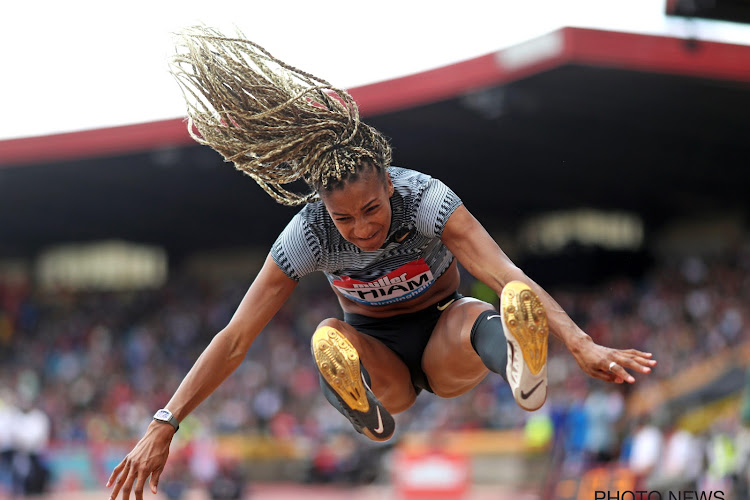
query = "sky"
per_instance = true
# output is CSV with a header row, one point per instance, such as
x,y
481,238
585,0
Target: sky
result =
x,y
78,65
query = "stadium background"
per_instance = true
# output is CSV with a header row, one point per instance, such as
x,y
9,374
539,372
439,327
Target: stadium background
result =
x,y
612,167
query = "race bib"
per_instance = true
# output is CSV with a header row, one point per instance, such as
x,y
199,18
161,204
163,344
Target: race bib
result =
x,y
402,284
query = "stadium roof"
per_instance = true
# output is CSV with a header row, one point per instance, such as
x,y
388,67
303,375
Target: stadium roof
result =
x,y
576,118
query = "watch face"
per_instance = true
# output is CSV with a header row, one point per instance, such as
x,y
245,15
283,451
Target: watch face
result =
x,y
163,415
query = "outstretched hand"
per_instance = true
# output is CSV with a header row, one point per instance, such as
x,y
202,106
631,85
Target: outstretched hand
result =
x,y
611,365
147,459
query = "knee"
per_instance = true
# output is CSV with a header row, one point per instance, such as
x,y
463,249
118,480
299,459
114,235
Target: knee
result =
x,y
448,389
331,323
474,308
343,328
465,317
347,331
446,393
399,404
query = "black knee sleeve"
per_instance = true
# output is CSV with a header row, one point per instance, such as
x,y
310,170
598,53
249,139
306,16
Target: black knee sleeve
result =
x,y
488,340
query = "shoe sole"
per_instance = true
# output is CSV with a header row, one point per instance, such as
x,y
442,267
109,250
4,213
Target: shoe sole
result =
x,y
526,328
338,363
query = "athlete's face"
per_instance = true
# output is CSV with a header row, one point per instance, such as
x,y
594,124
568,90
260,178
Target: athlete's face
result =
x,y
361,210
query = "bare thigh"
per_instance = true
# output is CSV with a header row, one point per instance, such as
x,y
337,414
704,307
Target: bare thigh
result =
x,y
391,381
452,365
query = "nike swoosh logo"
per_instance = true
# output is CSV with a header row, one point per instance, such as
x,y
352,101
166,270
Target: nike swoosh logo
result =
x,y
380,427
527,395
399,240
494,316
444,306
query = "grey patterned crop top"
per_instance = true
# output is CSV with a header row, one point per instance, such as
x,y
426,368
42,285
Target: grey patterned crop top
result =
x,y
409,262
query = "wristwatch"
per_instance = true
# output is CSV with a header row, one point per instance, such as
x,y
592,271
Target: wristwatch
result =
x,y
166,416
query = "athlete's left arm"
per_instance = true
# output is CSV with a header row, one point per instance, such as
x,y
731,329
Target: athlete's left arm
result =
x,y
475,249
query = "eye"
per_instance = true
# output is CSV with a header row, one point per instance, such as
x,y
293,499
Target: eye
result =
x,y
372,209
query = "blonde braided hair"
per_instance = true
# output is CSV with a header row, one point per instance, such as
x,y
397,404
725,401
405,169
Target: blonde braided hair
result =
x,y
276,123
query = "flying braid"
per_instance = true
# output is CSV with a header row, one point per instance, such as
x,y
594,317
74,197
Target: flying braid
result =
x,y
276,123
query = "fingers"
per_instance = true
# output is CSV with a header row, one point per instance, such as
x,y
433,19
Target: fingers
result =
x,y
127,486
618,368
115,473
119,483
612,365
155,481
131,480
135,483
606,375
636,352
642,358
630,359
140,482
637,362
132,474
618,372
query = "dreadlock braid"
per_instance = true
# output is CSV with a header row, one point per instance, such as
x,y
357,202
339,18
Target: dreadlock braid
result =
x,y
276,123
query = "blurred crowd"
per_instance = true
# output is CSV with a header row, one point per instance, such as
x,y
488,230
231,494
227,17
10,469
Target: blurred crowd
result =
x,y
685,312
94,366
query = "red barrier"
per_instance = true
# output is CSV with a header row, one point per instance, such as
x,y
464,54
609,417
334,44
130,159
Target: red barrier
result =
x,y
431,475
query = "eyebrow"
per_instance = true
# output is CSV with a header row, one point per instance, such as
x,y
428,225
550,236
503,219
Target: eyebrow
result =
x,y
367,205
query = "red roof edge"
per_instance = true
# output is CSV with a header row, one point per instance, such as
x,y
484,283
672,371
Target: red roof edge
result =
x,y
661,54
513,63
109,141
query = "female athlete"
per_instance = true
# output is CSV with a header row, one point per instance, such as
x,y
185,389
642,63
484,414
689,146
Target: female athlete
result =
x,y
388,240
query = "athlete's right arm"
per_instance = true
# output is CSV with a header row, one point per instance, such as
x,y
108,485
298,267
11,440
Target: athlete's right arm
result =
x,y
266,295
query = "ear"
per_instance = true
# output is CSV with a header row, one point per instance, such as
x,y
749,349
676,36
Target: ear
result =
x,y
389,185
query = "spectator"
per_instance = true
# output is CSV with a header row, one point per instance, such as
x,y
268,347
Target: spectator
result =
x,y
722,460
645,451
743,443
603,410
228,483
7,424
681,464
31,434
